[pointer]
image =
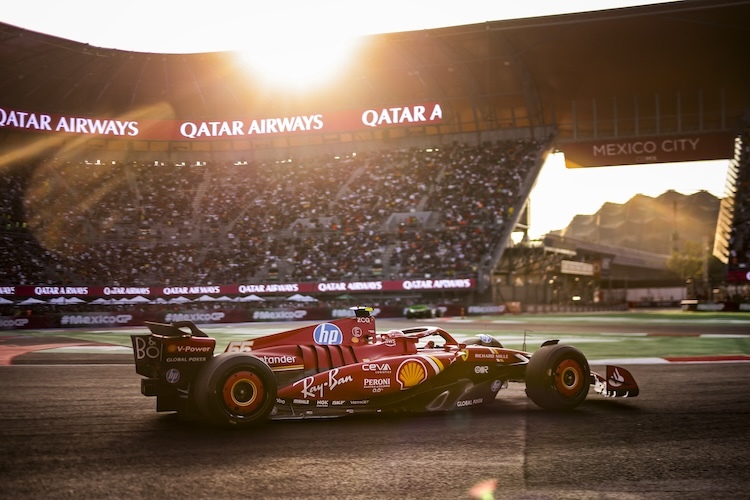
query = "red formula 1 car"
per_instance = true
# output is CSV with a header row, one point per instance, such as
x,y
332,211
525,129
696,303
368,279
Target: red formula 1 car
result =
x,y
345,367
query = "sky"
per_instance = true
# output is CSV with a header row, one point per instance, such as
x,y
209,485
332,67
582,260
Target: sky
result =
x,y
188,26
172,26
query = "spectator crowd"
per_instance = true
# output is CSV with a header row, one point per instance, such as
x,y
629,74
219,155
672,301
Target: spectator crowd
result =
x,y
397,214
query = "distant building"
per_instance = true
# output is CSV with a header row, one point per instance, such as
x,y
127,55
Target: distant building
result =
x,y
656,225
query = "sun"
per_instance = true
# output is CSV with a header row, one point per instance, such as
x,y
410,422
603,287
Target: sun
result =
x,y
300,62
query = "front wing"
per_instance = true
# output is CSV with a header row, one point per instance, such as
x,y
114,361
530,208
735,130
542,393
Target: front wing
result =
x,y
616,383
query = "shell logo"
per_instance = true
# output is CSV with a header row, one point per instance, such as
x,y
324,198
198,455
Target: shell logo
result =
x,y
410,373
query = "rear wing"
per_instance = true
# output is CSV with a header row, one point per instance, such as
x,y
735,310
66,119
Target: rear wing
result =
x,y
168,348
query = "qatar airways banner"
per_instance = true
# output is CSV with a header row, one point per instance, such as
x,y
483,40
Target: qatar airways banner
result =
x,y
243,127
257,289
644,150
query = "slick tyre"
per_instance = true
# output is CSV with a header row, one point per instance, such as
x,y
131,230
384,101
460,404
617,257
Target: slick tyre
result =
x,y
235,390
558,377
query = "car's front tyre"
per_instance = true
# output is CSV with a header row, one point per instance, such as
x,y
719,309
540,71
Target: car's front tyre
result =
x,y
558,377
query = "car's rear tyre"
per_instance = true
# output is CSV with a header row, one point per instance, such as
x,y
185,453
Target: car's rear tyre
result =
x,y
558,377
235,389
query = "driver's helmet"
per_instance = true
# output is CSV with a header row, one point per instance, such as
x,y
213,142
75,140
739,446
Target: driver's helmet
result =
x,y
392,334
483,340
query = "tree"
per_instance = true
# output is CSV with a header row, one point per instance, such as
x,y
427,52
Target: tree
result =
x,y
689,261
700,270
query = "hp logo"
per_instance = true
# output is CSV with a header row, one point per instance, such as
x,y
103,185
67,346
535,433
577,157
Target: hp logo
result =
x,y
328,334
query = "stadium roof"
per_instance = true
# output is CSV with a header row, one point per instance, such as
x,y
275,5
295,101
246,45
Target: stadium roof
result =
x,y
649,69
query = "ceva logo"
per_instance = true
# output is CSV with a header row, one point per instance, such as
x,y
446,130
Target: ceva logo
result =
x,y
327,334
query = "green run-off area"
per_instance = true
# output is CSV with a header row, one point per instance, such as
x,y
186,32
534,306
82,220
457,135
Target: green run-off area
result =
x,y
642,339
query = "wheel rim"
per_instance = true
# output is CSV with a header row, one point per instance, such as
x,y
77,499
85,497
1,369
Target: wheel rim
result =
x,y
243,393
568,378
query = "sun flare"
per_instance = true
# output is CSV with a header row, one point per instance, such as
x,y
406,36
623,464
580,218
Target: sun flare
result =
x,y
299,62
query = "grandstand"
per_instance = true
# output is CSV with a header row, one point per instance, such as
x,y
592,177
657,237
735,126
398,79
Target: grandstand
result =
x,y
732,244
320,219
402,182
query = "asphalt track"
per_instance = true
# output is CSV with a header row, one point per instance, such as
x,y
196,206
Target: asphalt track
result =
x,y
82,430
